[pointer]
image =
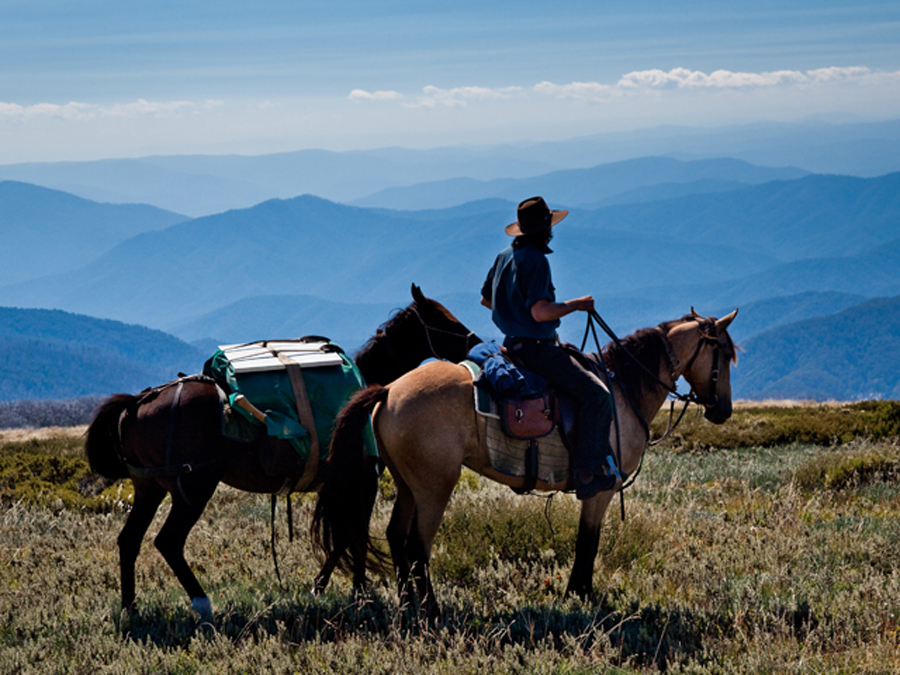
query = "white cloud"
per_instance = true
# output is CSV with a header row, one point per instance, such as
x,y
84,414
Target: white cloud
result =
x,y
74,111
584,91
459,97
841,74
683,78
636,82
362,95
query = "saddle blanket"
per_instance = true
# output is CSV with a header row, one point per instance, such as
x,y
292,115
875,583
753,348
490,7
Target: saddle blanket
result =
x,y
509,455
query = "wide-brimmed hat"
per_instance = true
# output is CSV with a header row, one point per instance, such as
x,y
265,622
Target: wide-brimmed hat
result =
x,y
534,216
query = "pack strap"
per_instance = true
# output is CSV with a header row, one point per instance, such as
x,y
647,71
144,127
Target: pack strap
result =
x,y
305,413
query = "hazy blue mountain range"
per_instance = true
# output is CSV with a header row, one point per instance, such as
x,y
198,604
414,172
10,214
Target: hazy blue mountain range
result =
x,y
290,316
204,185
847,356
811,217
598,185
50,354
817,233
46,231
200,185
782,251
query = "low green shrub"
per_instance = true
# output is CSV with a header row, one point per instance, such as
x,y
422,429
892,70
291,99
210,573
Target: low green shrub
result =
x,y
839,469
768,425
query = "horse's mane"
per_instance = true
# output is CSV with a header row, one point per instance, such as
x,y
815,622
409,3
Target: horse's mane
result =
x,y
648,346
400,315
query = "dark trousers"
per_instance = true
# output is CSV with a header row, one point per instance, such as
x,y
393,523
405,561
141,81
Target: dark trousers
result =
x,y
593,407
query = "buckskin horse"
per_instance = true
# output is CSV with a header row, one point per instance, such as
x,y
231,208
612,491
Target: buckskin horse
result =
x,y
175,445
427,429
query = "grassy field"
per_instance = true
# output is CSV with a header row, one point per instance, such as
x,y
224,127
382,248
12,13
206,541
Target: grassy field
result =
x,y
768,545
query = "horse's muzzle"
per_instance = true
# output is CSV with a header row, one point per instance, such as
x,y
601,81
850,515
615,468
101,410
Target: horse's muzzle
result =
x,y
720,412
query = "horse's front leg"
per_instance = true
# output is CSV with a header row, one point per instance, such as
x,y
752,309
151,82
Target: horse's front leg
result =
x,y
148,495
587,543
188,503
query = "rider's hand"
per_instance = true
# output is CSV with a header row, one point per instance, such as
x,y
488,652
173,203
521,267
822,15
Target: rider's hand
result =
x,y
584,304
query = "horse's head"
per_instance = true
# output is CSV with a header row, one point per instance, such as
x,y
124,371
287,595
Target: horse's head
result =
x,y
446,335
706,351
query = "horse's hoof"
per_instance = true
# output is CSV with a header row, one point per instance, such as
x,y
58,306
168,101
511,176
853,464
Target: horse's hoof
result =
x,y
319,585
203,607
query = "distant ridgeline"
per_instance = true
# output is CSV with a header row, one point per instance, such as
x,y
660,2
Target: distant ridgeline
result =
x,y
54,355
804,258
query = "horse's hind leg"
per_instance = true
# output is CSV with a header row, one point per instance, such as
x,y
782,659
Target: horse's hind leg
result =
x,y
418,556
173,535
398,532
148,495
320,583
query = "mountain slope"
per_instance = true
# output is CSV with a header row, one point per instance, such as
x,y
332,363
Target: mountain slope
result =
x,y
313,247
288,316
50,354
813,217
46,231
851,355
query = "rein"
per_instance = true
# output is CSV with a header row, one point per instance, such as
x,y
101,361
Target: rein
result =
x,y
691,397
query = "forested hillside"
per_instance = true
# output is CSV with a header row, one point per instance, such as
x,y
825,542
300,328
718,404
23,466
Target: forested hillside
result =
x,y
50,354
851,355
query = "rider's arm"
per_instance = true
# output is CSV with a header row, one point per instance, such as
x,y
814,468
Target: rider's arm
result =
x,y
487,303
544,310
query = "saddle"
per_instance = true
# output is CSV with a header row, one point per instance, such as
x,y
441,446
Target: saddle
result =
x,y
527,407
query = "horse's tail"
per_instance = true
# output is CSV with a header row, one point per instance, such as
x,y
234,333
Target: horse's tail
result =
x,y
340,524
102,444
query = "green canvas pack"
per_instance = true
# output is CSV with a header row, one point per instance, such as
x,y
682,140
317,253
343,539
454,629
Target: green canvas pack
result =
x,y
251,370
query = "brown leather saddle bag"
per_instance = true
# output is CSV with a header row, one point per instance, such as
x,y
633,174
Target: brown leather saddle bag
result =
x,y
529,417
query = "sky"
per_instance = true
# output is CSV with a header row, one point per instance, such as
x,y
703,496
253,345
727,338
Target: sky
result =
x,y
92,79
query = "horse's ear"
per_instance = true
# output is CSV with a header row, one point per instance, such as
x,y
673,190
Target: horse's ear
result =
x,y
725,321
694,313
417,294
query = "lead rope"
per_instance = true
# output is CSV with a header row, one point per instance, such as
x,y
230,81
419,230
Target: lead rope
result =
x,y
274,550
290,519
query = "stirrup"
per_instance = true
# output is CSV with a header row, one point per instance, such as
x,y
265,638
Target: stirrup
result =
x,y
621,476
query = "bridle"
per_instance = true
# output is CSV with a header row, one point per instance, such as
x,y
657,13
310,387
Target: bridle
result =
x,y
433,329
709,335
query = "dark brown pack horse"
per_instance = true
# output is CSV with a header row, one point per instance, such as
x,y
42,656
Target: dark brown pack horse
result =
x,y
175,446
427,430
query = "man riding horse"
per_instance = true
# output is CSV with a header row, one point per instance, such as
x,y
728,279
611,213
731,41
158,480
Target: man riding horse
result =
x,y
520,294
